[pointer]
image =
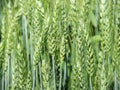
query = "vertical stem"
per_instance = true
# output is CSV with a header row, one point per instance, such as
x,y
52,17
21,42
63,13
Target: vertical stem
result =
x,y
36,79
33,86
115,81
8,77
3,81
53,63
90,83
64,79
40,76
31,57
25,39
60,76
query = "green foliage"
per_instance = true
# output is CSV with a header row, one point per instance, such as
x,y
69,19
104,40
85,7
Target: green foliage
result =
x,y
59,44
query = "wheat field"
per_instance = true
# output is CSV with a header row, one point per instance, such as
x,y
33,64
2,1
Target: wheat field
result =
x,y
59,44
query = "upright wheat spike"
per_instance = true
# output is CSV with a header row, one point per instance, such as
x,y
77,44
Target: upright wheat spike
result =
x,y
51,45
65,35
62,49
19,70
117,31
62,56
64,25
24,6
1,57
89,56
74,81
55,39
81,57
3,42
37,34
73,18
90,59
78,70
46,70
45,66
80,33
10,34
99,69
105,26
116,53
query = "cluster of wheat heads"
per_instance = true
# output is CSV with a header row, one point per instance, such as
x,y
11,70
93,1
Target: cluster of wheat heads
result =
x,y
59,44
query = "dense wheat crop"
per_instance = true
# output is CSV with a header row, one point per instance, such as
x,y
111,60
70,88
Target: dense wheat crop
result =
x,y
59,44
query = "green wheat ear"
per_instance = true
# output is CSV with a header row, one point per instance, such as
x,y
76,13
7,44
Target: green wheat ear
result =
x,y
55,50
46,64
81,57
52,47
64,25
1,57
62,50
77,75
19,70
10,32
74,83
105,26
46,70
116,53
3,41
73,17
37,33
89,56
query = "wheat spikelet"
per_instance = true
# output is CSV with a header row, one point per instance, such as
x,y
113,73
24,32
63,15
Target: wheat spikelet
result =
x,y
53,30
117,31
74,79
64,25
22,70
1,58
62,50
98,73
64,46
15,78
78,70
105,26
90,56
51,41
90,59
84,25
81,58
12,19
46,70
116,53
52,47
55,23
62,58
37,35
19,70
24,6
78,76
73,18
3,42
